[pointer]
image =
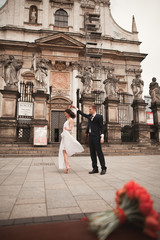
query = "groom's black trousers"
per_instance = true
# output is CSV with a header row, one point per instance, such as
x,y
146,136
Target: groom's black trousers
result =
x,y
96,149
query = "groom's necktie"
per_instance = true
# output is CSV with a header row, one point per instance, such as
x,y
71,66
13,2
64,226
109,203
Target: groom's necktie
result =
x,y
92,117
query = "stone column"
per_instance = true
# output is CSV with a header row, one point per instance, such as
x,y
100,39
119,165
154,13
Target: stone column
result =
x,y
86,100
40,109
140,128
155,106
8,120
112,127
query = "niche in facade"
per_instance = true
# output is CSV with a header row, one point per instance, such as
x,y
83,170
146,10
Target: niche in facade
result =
x,y
33,14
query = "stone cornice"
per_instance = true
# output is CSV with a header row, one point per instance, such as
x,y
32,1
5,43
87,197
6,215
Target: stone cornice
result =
x,y
106,52
41,31
124,55
121,40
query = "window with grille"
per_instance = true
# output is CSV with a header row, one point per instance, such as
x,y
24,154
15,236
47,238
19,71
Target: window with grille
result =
x,y
61,18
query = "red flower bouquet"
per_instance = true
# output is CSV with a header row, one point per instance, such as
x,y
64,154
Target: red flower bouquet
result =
x,y
135,206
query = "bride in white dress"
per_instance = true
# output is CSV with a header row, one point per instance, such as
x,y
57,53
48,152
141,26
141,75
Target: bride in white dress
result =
x,y
69,145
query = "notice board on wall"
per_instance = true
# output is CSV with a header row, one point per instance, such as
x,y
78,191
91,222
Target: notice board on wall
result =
x,y
40,135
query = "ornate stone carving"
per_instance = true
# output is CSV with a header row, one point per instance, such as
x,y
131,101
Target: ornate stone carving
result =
x,y
134,70
137,87
59,92
11,67
86,78
110,85
60,103
154,90
60,65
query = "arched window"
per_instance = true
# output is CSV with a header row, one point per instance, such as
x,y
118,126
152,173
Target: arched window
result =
x,y
61,18
33,14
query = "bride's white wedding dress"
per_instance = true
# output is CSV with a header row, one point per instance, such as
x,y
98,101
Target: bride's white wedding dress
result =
x,y
68,143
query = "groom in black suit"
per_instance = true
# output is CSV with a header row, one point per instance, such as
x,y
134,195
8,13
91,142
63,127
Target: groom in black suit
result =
x,y
96,137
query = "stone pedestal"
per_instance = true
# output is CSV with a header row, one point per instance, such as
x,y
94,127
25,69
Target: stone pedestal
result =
x,y
40,105
86,100
112,127
8,120
40,109
155,106
141,131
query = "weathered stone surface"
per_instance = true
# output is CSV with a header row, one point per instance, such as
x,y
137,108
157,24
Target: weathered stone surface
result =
x,y
112,127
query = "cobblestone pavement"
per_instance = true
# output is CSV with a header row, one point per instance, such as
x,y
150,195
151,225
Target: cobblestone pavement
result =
x,y
35,187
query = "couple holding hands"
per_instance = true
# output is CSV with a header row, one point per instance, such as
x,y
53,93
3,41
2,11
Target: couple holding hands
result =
x,y
69,145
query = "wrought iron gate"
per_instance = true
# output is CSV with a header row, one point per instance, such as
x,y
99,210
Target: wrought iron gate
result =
x,y
24,117
125,115
57,121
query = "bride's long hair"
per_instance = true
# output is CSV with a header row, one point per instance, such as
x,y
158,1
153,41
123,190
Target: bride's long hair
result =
x,y
71,114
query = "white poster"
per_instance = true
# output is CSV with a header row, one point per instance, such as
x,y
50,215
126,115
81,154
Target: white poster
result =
x,y
25,109
40,136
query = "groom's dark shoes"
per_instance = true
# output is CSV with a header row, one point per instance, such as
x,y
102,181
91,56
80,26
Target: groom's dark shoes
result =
x,y
103,171
93,171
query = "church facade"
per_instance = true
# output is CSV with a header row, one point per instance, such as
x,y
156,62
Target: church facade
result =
x,y
65,49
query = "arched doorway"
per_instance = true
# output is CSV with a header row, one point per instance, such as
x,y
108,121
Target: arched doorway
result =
x,y
57,118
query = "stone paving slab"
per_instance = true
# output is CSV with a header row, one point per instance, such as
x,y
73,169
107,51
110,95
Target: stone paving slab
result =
x,y
36,190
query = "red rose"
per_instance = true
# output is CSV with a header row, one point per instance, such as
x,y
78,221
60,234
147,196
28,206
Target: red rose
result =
x,y
154,214
152,223
144,198
120,192
145,208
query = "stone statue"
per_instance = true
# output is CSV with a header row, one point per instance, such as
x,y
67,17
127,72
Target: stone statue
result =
x,y
11,69
86,79
137,87
33,16
110,85
154,90
41,73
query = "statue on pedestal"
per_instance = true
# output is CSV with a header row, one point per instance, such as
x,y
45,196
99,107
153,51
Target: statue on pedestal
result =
x,y
137,87
110,85
41,72
11,67
86,78
154,90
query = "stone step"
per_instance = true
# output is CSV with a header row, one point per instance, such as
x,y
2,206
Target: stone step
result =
x,y
82,154
27,149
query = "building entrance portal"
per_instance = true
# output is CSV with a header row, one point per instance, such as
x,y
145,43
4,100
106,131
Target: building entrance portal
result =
x,y
57,118
57,121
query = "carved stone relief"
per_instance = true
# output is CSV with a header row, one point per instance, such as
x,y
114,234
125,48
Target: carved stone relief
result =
x,y
60,80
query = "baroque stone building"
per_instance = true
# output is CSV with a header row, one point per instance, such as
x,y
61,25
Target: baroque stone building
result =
x,y
69,50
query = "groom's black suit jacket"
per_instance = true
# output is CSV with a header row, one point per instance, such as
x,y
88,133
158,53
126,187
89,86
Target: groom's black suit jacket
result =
x,y
95,125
